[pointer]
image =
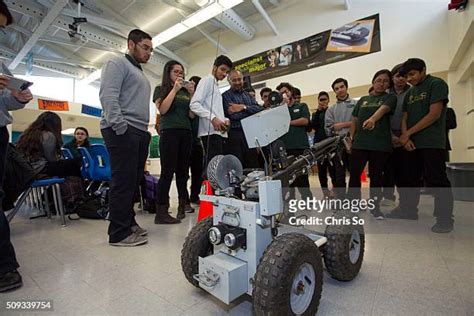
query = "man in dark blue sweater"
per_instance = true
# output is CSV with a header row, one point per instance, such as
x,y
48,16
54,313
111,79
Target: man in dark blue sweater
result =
x,y
239,104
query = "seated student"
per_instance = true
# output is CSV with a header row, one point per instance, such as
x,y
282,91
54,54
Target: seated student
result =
x,y
81,139
372,139
41,144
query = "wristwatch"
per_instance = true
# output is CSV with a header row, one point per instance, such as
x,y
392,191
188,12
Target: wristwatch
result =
x,y
245,107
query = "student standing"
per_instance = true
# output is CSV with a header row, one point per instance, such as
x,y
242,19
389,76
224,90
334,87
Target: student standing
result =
x,y
338,120
296,140
172,100
9,101
392,170
207,104
372,139
317,123
125,97
424,138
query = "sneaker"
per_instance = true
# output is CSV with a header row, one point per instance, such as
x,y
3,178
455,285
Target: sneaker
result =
x,y
388,202
188,208
377,214
398,213
131,241
442,228
139,231
10,281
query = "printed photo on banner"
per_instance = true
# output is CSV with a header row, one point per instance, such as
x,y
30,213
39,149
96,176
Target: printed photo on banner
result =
x,y
352,37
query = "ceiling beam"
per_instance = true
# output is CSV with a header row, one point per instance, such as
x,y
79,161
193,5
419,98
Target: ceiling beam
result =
x,y
45,23
97,20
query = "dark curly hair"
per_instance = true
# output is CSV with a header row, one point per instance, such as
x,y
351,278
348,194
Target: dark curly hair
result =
x,y
30,142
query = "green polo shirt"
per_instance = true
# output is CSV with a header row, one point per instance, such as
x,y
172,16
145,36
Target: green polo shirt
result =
x,y
417,105
296,138
379,138
177,115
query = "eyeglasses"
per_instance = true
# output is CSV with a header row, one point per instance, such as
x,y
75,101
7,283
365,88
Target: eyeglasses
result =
x,y
322,100
145,47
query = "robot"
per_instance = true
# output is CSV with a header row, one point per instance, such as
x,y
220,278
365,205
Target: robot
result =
x,y
245,248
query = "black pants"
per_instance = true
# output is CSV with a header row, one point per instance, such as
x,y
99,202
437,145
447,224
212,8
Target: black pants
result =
x,y
341,166
428,165
213,145
64,168
175,148
323,168
302,182
196,165
7,252
128,154
237,146
376,160
391,173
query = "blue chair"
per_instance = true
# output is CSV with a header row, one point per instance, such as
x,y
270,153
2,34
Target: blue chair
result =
x,y
96,163
67,154
38,188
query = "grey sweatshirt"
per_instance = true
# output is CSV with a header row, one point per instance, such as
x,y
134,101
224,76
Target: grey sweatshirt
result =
x,y
8,103
48,142
125,96
337,113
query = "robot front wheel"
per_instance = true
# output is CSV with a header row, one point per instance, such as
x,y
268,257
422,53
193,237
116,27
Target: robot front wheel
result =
x,y
289,278
196,245
344,250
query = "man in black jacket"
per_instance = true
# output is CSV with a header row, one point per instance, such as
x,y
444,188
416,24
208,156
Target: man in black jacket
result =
x,y
317,123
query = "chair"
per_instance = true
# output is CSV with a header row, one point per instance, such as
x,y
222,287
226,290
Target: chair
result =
x,y
67,154
96,163
96,166
34,192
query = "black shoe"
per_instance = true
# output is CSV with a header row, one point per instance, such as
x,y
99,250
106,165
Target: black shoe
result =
x,y
10,281
442,228
398,213
377,214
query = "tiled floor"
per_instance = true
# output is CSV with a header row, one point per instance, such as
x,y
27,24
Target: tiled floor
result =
x,y
407,270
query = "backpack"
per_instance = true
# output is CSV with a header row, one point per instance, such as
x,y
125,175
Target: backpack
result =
x,y
151,186
95,206
150,192
72,192
19,173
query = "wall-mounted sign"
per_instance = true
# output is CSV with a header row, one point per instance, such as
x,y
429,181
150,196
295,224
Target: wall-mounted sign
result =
x,y
351,40
90,110
52,105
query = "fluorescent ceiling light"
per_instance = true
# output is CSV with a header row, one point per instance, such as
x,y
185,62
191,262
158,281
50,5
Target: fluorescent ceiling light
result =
x,y
202,15
68,131
92,77
209,11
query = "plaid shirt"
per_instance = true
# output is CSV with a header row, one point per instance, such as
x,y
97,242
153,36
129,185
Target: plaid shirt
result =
x,y
239,97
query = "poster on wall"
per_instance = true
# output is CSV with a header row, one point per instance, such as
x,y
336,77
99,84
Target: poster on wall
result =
x,y
351,40
91,110
52,105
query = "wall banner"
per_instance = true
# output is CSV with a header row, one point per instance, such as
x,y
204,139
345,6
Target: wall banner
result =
x,y
90,110
351,40
52,105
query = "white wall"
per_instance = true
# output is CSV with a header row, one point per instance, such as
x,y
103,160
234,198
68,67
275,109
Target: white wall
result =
x,y
408,28
461,82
